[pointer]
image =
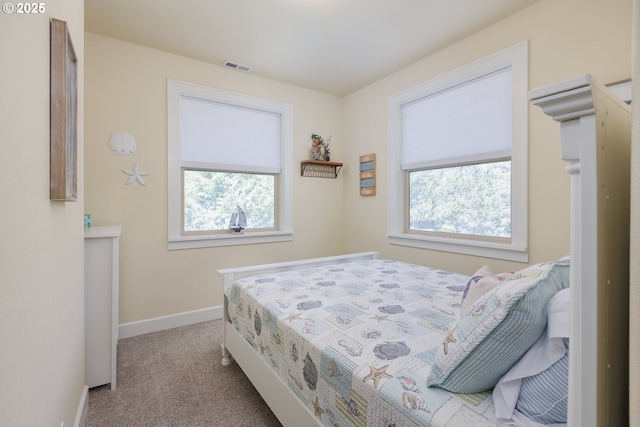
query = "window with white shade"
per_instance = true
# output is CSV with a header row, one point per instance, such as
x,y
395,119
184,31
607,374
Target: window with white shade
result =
x,y
458,160
227,150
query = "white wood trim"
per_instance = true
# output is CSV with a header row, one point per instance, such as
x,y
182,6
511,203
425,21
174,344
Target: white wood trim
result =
x,y
248,238
595,141
115,307
462,246
162,323
83,408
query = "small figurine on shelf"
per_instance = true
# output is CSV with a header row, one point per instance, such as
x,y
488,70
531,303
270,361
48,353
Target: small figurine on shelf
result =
x,y
319,150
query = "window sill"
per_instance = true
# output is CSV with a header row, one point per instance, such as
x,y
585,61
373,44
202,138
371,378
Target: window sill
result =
x,y
503,251
209,241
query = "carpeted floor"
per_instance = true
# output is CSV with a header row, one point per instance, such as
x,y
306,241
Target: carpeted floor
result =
x,y
175,378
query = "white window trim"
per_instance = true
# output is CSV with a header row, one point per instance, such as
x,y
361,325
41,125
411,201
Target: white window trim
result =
x,y
176,240
516,57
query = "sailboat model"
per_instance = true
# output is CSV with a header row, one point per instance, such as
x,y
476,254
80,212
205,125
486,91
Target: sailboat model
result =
x,y
238,221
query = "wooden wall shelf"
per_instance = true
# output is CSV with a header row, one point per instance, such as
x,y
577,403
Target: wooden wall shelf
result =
x,y
319,169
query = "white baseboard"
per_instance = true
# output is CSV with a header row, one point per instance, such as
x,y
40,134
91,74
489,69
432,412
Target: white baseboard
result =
x,y
132,329
83,408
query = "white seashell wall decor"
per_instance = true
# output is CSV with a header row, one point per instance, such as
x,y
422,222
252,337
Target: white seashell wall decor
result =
x,y
122,143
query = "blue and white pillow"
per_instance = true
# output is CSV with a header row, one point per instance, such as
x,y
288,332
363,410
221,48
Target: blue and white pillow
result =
x,y
544,397
538,385
497,330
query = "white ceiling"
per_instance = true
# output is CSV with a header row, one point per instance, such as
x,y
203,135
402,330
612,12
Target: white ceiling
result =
x,y
333,46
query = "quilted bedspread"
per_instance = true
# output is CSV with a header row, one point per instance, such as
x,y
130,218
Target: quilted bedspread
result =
x,y
356,341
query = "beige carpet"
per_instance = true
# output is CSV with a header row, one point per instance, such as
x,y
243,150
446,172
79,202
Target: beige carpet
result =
x,y
175,378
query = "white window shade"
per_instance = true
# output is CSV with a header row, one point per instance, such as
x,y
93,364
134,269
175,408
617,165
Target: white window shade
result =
x,y
465,124
225,137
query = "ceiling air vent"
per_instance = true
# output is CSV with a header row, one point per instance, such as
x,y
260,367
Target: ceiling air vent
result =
x,y
236,66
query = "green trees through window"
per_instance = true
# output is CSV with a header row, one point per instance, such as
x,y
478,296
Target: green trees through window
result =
x,y
471,199
210,197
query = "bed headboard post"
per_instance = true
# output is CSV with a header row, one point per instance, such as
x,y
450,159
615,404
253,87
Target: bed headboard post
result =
x,y
595,132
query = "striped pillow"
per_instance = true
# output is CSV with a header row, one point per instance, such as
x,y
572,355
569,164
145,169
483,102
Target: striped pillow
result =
x,y
498,329
543,397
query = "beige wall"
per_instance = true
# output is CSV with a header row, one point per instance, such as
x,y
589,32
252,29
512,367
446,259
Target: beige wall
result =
x,y
41,269
566,38
126,91
41,249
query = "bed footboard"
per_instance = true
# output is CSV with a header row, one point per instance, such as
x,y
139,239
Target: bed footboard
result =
x,y
230,275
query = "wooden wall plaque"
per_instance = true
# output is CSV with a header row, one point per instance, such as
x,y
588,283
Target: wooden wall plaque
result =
x,y
368,175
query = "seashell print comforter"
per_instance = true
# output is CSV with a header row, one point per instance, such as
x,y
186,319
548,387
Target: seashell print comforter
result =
x,y
356,341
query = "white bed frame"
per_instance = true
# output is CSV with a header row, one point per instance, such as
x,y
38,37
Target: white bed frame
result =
x,y
595,132
595,140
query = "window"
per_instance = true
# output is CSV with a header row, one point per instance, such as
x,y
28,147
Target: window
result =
x,y
210,195
458,161
227,150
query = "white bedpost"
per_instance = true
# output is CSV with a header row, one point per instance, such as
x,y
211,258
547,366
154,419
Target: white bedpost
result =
x,y
595,141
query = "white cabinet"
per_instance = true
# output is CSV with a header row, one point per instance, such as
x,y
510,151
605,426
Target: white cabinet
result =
x,y
101,276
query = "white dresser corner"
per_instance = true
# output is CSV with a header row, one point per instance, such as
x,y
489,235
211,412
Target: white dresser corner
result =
x,y
101,282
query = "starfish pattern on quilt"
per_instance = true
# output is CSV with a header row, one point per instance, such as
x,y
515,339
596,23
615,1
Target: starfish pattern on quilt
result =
x,y
317,408
293,317
376,375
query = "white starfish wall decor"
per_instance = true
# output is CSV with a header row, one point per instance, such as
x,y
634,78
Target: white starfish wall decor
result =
x,y
135,175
